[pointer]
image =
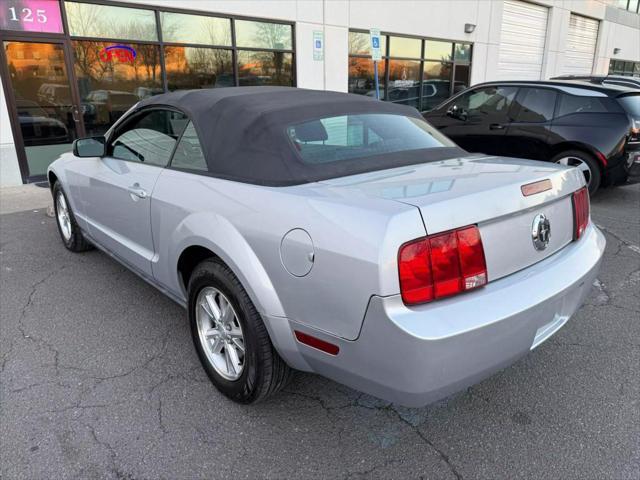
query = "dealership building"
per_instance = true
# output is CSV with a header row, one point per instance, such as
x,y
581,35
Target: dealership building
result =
x,y
69,69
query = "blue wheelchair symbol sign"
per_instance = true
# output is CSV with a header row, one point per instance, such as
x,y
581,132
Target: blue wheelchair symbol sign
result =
x,y
318,43
375,41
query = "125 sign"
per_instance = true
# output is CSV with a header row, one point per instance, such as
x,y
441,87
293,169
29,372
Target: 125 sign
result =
x,y
27,15
31,15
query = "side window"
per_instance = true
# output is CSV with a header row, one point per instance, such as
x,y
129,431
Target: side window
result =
x,y
487,101
535,105
575,104
189,153
149,138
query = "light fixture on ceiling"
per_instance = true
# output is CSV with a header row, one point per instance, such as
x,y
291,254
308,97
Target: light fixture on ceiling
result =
x,y
469,27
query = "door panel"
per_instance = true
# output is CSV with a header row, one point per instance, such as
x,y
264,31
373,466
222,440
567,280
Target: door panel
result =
x,y
45,102
116,197
528,134
116,189
478,119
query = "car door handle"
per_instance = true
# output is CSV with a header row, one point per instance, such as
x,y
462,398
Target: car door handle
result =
x,y
496,126
137,191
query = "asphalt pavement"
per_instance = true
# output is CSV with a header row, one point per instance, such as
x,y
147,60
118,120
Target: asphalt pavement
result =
x,y
99,379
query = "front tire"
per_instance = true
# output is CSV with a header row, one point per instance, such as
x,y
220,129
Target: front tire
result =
x,y
70,233
230,337
586,164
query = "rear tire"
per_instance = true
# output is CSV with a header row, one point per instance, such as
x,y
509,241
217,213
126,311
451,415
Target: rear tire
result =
x,y
258,370
586,163
70,233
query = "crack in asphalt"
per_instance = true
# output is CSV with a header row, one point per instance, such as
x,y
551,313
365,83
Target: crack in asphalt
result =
x,y
110,450
630,245
389,407
21,319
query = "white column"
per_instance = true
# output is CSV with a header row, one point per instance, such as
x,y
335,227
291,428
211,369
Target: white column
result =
x,y
9,169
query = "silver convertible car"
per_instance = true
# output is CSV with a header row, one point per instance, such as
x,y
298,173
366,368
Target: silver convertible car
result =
x,y
332,233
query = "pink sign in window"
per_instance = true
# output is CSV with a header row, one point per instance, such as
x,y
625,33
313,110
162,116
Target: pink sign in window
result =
x,y
31,16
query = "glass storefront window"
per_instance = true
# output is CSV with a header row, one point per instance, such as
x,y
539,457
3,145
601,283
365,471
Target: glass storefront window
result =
x,y
265,68
405,47
437,84
91,20
404,82
31,16
360,43
461,77
110,57
438,50
183,28
435,63
620,67
113,77
361,76
42,93
263,35
462,52
189,67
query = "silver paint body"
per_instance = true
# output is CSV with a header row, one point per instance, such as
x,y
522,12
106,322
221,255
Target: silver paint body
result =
x,y
322,258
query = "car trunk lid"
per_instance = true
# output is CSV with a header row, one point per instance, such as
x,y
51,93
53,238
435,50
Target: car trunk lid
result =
x,y
487,192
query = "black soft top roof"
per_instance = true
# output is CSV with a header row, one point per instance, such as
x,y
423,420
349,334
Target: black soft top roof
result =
x,y
243,131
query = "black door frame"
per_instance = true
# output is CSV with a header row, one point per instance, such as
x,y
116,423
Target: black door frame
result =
x,y
18,140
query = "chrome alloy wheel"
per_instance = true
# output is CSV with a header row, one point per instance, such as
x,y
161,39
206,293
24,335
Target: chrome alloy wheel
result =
x,y
220,333
579,164
64,219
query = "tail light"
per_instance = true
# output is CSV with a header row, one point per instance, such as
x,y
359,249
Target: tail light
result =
x,y
441,265
580,212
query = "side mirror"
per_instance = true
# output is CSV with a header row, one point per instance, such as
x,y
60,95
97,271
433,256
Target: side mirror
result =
x,y
458,112
89,147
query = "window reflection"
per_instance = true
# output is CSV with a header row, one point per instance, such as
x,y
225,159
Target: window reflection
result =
x,y
438,50
263,35
404,82
109,84
462,52
435,63
361,76
405,47
42,94
360,43
264,68
437,84
190,67
91,20
461,78
180,27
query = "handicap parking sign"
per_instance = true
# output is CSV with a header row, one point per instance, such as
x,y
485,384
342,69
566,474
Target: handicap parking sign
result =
x,y
376,54
318,45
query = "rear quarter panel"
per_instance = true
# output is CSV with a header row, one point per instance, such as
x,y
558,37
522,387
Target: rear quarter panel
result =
x,y
355,239
604,132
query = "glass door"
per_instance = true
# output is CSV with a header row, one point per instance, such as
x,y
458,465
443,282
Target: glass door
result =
x,y
45,101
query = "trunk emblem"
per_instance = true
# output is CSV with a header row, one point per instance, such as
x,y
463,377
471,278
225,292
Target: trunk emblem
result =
x,y
540,232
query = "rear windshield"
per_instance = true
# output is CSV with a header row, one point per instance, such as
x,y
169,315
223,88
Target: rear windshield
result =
x,y
347,137
631,103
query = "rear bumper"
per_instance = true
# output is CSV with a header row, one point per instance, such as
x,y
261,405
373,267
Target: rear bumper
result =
x,y
414,356
619,171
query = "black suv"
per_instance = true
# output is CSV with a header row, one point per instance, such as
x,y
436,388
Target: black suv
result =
x,y
593,127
